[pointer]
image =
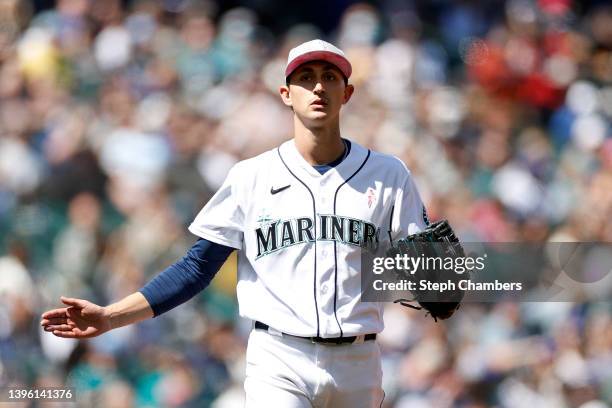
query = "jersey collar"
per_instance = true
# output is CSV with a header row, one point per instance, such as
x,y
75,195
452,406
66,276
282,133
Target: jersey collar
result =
x,y
296,162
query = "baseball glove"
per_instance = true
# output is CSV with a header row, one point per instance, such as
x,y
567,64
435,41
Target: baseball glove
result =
x,y
438,247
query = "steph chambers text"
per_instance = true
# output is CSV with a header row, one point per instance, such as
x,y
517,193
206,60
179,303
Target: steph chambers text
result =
x,y
464,284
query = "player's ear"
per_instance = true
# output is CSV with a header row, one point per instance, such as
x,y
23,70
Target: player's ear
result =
x,y
284,93
348,92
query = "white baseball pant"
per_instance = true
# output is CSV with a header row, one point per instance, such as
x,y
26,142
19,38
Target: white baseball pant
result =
x,y
288,372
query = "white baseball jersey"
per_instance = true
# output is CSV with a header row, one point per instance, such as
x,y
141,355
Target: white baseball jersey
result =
x,y
300,235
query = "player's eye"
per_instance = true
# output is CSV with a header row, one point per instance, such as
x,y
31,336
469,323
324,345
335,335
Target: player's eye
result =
x,y
329,76
306,77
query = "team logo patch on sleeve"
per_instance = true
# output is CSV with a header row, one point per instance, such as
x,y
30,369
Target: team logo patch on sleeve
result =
x,y
425,218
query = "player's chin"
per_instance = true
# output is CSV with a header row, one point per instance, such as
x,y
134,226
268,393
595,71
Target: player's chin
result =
x,y
315,118
318,115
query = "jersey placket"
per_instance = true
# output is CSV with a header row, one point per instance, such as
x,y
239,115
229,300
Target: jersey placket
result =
x,y
327,247
310,179
326,274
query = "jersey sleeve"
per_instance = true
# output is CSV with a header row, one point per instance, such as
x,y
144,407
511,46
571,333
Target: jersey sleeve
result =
x,y
221,220
409,214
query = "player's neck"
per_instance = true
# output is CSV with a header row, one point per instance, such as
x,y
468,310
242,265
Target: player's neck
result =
x,y
320,145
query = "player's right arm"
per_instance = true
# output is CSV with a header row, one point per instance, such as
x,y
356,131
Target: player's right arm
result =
x,y
83,319
219,225
174,286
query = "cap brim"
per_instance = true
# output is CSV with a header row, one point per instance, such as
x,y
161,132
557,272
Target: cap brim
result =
x,y
339,61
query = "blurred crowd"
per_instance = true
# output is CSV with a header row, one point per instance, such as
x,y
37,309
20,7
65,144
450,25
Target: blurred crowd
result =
x,y
119,120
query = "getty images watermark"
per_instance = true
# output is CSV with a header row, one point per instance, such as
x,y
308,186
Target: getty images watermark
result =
x,y
405,265
490,272
411,264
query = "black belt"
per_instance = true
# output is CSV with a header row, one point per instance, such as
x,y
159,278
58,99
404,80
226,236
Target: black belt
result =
x,y
334,340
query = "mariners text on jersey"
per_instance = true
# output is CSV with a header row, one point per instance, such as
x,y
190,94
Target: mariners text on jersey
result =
x,y
276,235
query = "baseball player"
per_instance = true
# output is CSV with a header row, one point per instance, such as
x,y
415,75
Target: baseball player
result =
x,y
299,215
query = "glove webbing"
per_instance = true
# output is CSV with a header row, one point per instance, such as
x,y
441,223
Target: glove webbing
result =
x,y
405,302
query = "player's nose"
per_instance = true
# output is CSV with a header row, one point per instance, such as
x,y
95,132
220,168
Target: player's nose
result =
x,y
319,88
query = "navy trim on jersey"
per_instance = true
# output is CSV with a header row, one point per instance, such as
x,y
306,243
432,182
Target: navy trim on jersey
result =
x,y
391,226
335,243
314,217
187,277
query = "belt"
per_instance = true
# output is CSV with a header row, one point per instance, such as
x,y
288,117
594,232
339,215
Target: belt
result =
x,y
333,340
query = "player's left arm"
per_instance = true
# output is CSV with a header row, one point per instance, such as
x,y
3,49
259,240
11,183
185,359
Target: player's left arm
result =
x,y
409,213
412,225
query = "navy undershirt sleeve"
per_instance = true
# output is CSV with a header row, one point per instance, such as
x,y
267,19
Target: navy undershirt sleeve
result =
x,y
187,277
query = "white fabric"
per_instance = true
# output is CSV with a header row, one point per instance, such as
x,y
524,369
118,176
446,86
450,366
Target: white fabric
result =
x,y
296,373
309,287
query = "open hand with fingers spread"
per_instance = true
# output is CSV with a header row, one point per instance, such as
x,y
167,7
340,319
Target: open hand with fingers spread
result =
x,y
81,319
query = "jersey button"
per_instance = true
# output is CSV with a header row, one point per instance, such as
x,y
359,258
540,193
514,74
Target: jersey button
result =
x,y
323,289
